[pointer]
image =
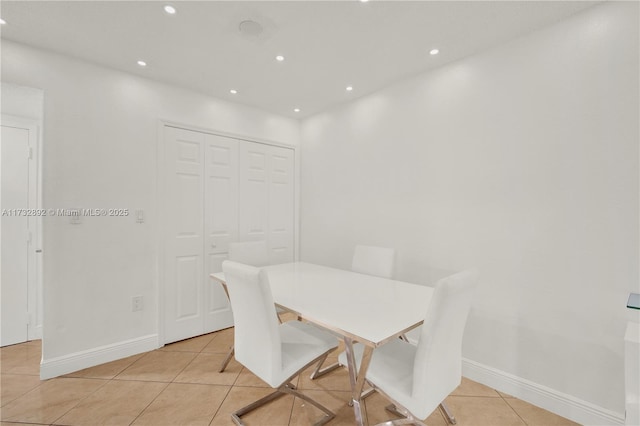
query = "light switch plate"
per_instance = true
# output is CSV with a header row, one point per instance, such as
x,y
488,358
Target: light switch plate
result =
x,y
634,301
75,218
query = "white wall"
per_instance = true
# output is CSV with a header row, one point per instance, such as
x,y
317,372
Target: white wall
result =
x,y
100,139
521,161
20,101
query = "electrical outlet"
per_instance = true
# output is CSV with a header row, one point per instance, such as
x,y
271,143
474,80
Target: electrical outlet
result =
x,y
136,303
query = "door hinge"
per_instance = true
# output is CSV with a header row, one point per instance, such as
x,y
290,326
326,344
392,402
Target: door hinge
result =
x,y
30,153
29,237
28,318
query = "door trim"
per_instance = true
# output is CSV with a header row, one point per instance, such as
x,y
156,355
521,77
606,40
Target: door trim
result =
x,y
160,197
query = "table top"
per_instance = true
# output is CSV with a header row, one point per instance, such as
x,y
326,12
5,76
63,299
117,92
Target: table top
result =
x,y
369,309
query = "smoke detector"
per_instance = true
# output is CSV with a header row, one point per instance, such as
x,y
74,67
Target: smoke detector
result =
x,y
250,28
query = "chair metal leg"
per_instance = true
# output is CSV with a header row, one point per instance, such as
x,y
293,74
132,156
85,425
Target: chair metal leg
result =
x,y
368,393
398,422
447,413
357,378
445,409
286,389
406,417
226,360
319,371
235,416
394,410
328,414
291,386
364,395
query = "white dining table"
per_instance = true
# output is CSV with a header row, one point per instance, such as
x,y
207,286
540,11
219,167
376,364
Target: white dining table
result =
x,y
360,308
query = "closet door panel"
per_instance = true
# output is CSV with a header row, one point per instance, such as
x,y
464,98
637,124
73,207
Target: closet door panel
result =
x,y
220,223
183,210
221,193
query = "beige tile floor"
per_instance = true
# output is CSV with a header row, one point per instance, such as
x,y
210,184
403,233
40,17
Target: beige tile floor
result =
x,y
179,385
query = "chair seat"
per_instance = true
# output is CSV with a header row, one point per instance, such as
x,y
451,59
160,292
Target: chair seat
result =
x,y
301,342
391,369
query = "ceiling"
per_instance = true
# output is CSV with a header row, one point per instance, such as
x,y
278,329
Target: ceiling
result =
x,y
327,45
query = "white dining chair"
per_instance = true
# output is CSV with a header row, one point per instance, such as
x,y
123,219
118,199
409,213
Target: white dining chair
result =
x,y
417,379
377,261
371,260
252,253
275,352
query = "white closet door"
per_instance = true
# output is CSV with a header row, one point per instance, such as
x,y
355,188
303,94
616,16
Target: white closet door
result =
x,y
220,223
15,195
267,198
217,190
183,209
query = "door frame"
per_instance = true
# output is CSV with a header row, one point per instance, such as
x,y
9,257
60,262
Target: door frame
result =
x,y
34,224
160,198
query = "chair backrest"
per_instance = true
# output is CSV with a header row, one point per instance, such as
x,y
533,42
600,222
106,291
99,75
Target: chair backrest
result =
x,y
256,335
437,368
370,260
252,253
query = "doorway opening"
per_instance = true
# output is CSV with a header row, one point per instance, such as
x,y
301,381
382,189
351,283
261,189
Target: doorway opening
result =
x,y
21,282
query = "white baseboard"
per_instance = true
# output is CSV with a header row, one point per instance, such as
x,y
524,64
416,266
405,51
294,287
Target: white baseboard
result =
x,y
564,405
54,367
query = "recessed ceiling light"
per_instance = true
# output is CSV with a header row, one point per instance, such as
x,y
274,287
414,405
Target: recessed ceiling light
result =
x,y
233,91
279,58
349,88
296,110
170,9
2,21
142,63
363,1
434,52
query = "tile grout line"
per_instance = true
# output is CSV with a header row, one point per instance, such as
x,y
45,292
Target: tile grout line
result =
x,y
6,402
81,399
513,409
144,355
221,403
234,384
293,405
114,379
163,389
151,402
229,387
167,383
